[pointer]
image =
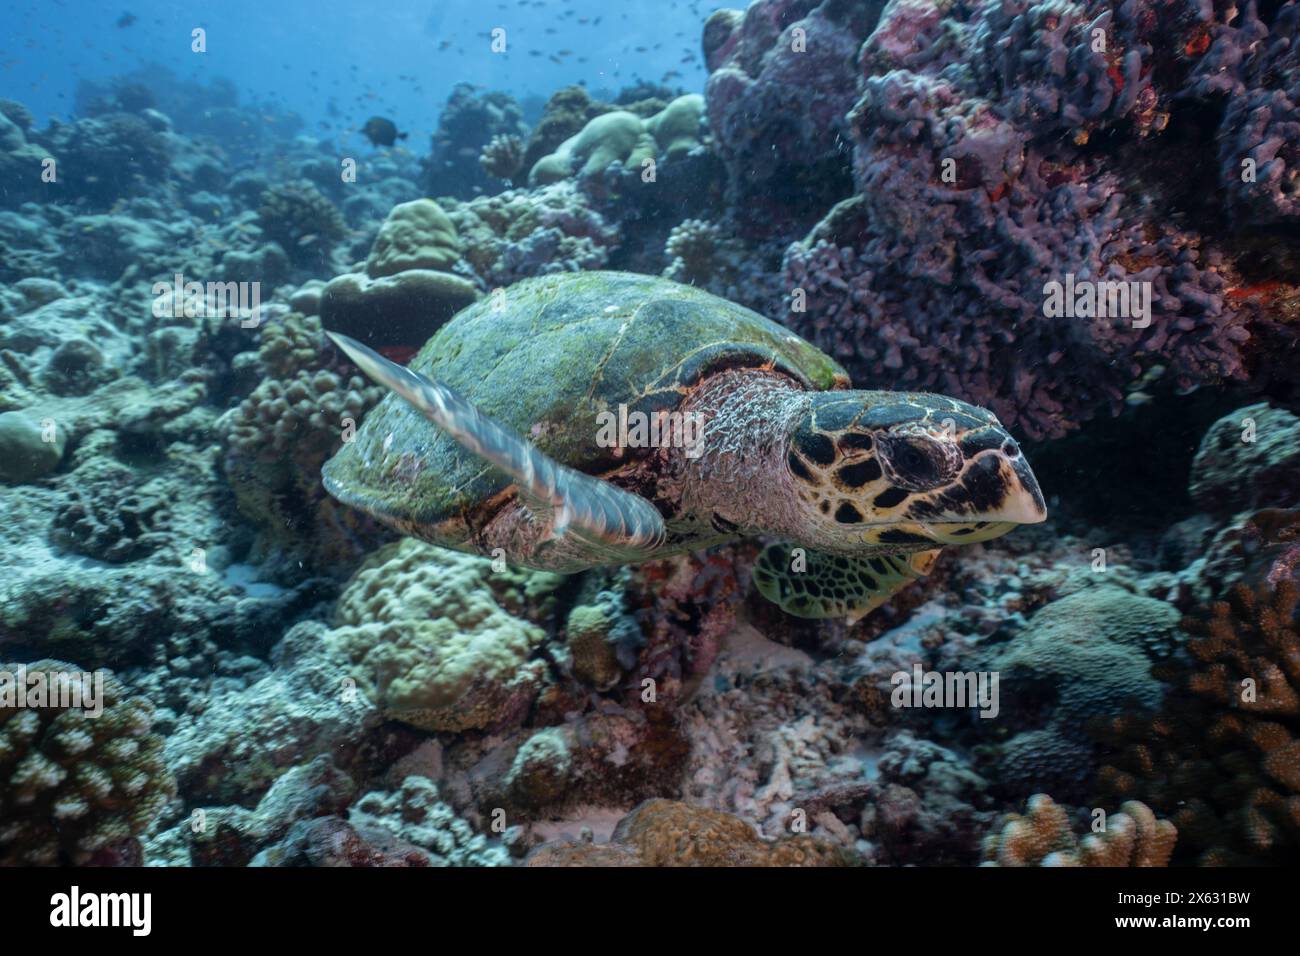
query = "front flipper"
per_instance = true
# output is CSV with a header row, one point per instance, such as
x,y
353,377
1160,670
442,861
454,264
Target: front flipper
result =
x,y
818,584
620,524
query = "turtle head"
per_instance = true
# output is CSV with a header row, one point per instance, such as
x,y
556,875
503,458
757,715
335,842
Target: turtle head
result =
x,y
907,469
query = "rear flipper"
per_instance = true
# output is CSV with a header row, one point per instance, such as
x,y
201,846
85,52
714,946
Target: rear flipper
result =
x,y
818,584
620,526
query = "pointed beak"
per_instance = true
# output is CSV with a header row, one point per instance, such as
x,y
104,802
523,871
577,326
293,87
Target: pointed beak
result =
x,y
1024,503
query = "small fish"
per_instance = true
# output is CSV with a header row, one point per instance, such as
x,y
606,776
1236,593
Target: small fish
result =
x,y
125,20
381,132
308,239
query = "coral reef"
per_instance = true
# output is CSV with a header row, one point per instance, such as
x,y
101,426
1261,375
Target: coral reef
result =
x,y
666,833
977,189
79,787
518,234
623,137
443,640
407,290
1222,757
302,220
1042,837
470,120
1249,459
782,81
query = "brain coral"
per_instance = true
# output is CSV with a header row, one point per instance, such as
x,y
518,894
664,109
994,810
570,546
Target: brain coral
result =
x,y
439,639
76,788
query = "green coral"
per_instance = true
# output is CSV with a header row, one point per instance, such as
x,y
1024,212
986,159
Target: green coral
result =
x,y
440,639
623,136
74,785
416,235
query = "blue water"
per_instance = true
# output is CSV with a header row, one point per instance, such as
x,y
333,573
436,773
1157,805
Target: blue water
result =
x,y
335,64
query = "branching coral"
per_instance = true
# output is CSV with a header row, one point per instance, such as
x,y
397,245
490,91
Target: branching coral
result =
x,y
503,156
76,788
1042,837
1223,758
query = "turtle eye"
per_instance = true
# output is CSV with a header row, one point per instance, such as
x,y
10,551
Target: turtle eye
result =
x,y
919,462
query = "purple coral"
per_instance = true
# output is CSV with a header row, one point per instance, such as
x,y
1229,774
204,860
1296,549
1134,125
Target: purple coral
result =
x,y
977,187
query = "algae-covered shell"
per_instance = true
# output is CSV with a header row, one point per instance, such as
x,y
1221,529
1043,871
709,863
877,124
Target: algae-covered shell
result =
x,y
546,357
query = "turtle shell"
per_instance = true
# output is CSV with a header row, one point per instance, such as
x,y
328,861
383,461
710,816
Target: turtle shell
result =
x,y
546,357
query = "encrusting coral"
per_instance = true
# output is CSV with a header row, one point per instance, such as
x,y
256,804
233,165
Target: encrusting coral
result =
x,y
75,787
1042,837
668,833
441,640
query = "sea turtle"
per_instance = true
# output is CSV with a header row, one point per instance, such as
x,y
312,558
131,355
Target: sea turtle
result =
x,y
505,437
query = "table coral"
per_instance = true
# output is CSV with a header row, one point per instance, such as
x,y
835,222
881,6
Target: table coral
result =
x,y
75,788
1042,837
667,833
440,639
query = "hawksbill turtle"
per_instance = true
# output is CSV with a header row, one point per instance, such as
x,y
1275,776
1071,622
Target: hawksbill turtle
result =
x,y
496,440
